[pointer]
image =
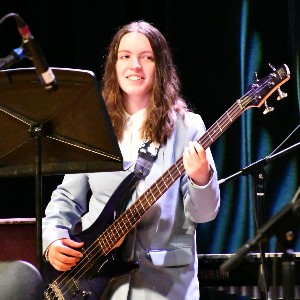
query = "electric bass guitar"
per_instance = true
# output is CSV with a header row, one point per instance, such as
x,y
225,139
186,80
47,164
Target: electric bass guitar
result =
x,y
99,265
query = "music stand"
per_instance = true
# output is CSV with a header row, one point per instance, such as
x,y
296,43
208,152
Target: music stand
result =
x,y
58,132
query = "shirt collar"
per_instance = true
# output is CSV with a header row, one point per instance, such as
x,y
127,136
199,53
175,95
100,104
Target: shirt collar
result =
x,y
135,119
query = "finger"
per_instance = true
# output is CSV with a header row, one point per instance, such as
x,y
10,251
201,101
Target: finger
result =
x,y
67,259
198,148
67,248
60,266
187,161
200,151
59,250
71,243
62,262
70,252
192,155
191,149
186,156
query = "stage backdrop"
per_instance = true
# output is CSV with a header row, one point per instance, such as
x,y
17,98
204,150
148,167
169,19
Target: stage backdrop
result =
x,y
218,47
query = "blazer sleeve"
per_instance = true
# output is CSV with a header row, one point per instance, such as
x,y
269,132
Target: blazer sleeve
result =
x,y
64,211
201,203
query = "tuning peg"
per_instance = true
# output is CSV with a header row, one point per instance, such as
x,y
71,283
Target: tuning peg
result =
x,y
255,77
272,67
267,108
281,94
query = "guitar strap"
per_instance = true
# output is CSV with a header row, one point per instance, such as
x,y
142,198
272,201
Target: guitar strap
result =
x,y
147,154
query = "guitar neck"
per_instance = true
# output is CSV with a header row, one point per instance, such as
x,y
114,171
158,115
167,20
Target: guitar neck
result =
x,y
134,213
221,124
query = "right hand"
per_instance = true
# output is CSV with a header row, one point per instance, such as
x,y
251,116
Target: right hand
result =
x,y
62,256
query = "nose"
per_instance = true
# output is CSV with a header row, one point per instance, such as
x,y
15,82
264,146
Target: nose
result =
x,y
135,64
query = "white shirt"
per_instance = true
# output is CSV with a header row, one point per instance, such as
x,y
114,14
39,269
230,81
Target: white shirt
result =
x,y
132,140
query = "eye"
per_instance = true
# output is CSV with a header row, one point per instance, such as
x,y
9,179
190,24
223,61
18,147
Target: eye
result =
x,y
148,58
124,56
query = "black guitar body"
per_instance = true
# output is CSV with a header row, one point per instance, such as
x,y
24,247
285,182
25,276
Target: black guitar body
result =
x,y
91,277
92,286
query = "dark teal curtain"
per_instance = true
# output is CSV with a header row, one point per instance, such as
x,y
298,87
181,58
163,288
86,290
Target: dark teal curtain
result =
x,y
218,46
267,33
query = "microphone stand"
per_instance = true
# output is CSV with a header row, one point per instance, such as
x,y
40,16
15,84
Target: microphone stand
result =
x,y
260,163
285,225
257,172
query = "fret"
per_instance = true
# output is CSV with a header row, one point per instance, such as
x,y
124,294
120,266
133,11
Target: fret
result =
x,y
210,136
125,225
176,165
137,211
221,130
162,179
149,202
112,235
158,189
128,211
171,176
99,244
153,196
141,202
118,232
108,244
229,117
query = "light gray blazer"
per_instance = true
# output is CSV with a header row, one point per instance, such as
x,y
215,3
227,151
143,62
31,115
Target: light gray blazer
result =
x,y
164,239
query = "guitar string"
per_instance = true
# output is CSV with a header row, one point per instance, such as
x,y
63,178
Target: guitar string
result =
x,y
113,227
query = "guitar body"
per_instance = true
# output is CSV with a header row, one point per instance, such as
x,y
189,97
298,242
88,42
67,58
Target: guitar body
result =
x,y
92,286
91,277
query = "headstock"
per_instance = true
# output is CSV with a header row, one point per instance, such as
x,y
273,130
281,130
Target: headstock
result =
x,y
261,89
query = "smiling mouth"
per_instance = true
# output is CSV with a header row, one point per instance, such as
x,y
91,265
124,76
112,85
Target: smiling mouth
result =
x,y
135,78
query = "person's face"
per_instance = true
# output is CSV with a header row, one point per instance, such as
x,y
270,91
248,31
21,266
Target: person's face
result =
x,y
135,67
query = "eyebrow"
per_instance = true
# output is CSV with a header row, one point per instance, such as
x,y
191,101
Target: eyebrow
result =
x,y
143,52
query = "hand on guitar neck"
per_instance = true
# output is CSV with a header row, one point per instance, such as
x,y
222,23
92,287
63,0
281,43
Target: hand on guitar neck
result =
x,y
196,164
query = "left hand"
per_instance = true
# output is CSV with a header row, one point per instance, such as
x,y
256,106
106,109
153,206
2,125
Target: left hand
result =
x,y
196,164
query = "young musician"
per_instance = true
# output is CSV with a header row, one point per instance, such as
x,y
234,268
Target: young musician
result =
x,y
142,93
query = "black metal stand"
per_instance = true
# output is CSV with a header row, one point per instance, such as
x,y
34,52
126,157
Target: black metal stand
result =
x,y
288,275
258,177
36,132
45,133
260,163
285,225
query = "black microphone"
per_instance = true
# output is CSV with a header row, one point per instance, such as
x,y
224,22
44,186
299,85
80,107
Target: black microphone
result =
x,y
13,57
43,71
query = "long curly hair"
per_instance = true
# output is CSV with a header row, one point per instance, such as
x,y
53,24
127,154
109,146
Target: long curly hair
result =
x,y
166,99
